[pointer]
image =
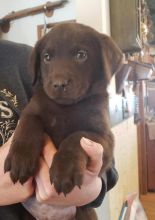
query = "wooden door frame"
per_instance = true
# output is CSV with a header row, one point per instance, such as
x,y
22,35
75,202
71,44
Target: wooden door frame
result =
x,y
142,149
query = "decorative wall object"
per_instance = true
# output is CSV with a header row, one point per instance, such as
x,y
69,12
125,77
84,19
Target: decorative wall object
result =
x,y
45,28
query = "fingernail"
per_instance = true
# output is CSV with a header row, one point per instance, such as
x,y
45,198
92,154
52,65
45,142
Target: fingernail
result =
x,y
87,141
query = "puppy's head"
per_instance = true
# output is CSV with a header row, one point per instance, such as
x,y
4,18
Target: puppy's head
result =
x,y
71,59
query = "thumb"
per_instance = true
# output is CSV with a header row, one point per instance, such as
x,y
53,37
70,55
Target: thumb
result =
x,y
49,150
95,153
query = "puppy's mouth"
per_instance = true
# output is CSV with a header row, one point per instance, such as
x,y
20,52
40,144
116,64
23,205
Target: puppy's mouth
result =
x,y
66,95
64,99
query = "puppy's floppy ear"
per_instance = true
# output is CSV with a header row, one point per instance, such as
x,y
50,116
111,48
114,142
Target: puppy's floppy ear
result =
x,y
35,63
111,56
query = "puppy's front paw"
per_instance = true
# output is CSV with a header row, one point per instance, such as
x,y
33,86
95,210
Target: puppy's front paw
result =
x,y
22,165
67,172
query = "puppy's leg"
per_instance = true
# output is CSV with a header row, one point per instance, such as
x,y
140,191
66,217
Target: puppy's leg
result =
x,y
70,161
23,158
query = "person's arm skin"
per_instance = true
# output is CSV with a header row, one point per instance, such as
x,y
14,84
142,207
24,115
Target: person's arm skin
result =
x,y
11,193
90,188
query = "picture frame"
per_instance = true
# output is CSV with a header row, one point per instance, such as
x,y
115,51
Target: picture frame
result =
x,y
45,28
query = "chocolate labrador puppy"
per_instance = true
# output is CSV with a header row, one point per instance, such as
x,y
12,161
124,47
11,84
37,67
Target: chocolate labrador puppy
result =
x,y
71,66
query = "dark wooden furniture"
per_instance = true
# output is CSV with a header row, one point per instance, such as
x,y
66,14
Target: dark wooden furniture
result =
x,y
125,24
146,146
150,146
141,135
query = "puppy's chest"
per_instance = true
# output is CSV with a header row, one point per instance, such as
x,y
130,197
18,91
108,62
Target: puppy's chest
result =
x,y
61,123
59,126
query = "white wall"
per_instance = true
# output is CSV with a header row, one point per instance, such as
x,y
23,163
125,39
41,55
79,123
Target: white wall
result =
x,y
94,13
126,161
89,12
105,17
103,212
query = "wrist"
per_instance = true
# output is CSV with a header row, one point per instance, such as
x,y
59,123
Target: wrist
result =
x,y
98,200
91,192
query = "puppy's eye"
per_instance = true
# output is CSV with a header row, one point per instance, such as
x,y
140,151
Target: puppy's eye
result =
x,y
81,56
47,58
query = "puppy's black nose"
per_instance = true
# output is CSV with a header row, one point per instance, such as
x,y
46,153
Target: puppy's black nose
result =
x,y
61,84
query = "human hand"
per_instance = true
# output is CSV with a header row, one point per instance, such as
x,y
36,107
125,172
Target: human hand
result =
x,y
11,193
45,192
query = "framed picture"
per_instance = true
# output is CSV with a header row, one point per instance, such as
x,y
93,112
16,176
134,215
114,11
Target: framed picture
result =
x,y
43,29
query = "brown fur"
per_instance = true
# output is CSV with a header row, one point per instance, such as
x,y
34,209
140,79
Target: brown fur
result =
x,y
70,101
